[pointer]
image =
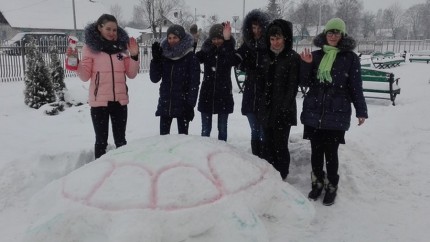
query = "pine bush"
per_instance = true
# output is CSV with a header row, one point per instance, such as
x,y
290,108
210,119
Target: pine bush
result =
x,y
38,85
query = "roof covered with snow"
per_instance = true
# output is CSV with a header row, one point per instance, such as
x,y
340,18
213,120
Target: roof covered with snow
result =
x,y
54,14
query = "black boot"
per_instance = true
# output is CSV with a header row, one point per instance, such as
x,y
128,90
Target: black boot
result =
x,y
330,194
255,147
317,186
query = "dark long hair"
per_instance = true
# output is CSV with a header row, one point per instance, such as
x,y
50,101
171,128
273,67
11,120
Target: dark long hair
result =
x,y
106,18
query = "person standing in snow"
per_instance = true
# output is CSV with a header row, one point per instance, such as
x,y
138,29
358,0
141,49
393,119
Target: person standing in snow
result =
x,y
253,55
333,75
109,56
216,93
278,109
175,64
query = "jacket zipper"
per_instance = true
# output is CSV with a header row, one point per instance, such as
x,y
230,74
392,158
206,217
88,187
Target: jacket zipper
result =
x,y
113,78
323,109
216,71
171,85
97,83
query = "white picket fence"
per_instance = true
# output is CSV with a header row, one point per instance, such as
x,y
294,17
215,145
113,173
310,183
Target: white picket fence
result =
x,y
12,66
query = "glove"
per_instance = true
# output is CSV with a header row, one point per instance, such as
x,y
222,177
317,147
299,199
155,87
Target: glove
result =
x,y
189,112
157,51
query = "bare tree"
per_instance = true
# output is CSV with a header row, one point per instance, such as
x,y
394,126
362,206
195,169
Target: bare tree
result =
x,y
303,17
273,9
350,12
116,10
138,19
368,24
393,17
414,17
157,12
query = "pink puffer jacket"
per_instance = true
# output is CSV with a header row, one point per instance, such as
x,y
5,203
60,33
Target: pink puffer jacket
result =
x,y
108,76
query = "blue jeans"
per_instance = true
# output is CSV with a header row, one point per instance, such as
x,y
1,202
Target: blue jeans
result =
x,y
256,128
222,125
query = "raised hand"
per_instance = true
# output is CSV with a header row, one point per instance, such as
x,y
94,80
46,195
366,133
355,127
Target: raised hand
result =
x,y
133,47
157,51
306,55
226,32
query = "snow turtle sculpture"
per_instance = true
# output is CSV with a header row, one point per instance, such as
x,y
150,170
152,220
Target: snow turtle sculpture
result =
x,y
168,189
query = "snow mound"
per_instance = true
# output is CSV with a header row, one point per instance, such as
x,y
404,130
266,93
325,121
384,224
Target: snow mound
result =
x,y
168,188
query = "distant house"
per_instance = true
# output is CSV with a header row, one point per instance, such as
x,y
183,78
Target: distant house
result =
x,y
307,33
47,16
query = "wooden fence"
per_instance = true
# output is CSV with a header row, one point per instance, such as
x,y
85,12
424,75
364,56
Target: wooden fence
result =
x,y
12,67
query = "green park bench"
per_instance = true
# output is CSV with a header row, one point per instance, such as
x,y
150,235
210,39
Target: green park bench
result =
x,y
420,56
386,60
382,82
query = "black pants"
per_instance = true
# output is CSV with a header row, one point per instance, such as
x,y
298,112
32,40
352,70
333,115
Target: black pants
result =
x,y
100,117
166,122
277,152
330,152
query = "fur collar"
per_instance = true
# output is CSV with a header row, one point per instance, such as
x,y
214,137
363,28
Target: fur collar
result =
x,y
96,42
178,51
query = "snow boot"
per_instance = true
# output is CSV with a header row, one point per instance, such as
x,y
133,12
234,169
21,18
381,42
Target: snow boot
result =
x,y
255,147
330,194
317,186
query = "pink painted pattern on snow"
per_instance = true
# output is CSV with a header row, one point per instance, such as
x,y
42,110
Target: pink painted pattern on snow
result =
x,y
213,177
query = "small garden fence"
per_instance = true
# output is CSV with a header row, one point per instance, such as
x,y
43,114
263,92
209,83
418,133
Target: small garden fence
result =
x,y
12,65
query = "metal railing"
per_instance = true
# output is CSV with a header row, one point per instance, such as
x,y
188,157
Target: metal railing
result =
x,y
12,66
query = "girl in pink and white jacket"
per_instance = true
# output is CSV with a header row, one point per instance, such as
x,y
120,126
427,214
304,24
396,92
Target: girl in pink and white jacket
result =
x,y
109,56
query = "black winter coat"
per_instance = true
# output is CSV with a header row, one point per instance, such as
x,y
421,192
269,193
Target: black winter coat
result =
x,y
216,94
278,107
179,72
328,105
253,55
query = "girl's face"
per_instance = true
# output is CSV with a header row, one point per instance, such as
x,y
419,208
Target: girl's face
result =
x,y
256,30
173,40
217,41
333,37
109,31
277,42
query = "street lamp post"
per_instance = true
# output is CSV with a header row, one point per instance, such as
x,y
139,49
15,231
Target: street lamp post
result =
x,y
74,17
235,18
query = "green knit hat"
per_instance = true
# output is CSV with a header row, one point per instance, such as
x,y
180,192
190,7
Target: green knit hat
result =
x,y
337,24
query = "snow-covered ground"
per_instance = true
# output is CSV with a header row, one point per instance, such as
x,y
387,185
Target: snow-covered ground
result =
x,y
384,184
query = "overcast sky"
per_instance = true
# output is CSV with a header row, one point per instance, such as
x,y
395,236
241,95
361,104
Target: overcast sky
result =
x,y
226,9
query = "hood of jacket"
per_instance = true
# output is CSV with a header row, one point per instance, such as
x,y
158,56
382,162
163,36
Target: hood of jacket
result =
x,y
96,42
287,32
178,51
263,19
346,43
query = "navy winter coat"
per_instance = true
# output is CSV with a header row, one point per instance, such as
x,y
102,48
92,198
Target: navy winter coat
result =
x,y
179,72
278,106
216,94
328,105
253,55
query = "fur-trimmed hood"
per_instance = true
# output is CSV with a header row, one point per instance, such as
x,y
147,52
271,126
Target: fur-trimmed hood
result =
x,y
347,43
178,51
255,15
96,42
287,32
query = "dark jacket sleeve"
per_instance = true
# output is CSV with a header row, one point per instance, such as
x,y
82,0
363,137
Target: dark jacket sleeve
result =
x,y
356,88
293,83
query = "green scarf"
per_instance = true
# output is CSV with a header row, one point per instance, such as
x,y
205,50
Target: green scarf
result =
x,y
327,63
